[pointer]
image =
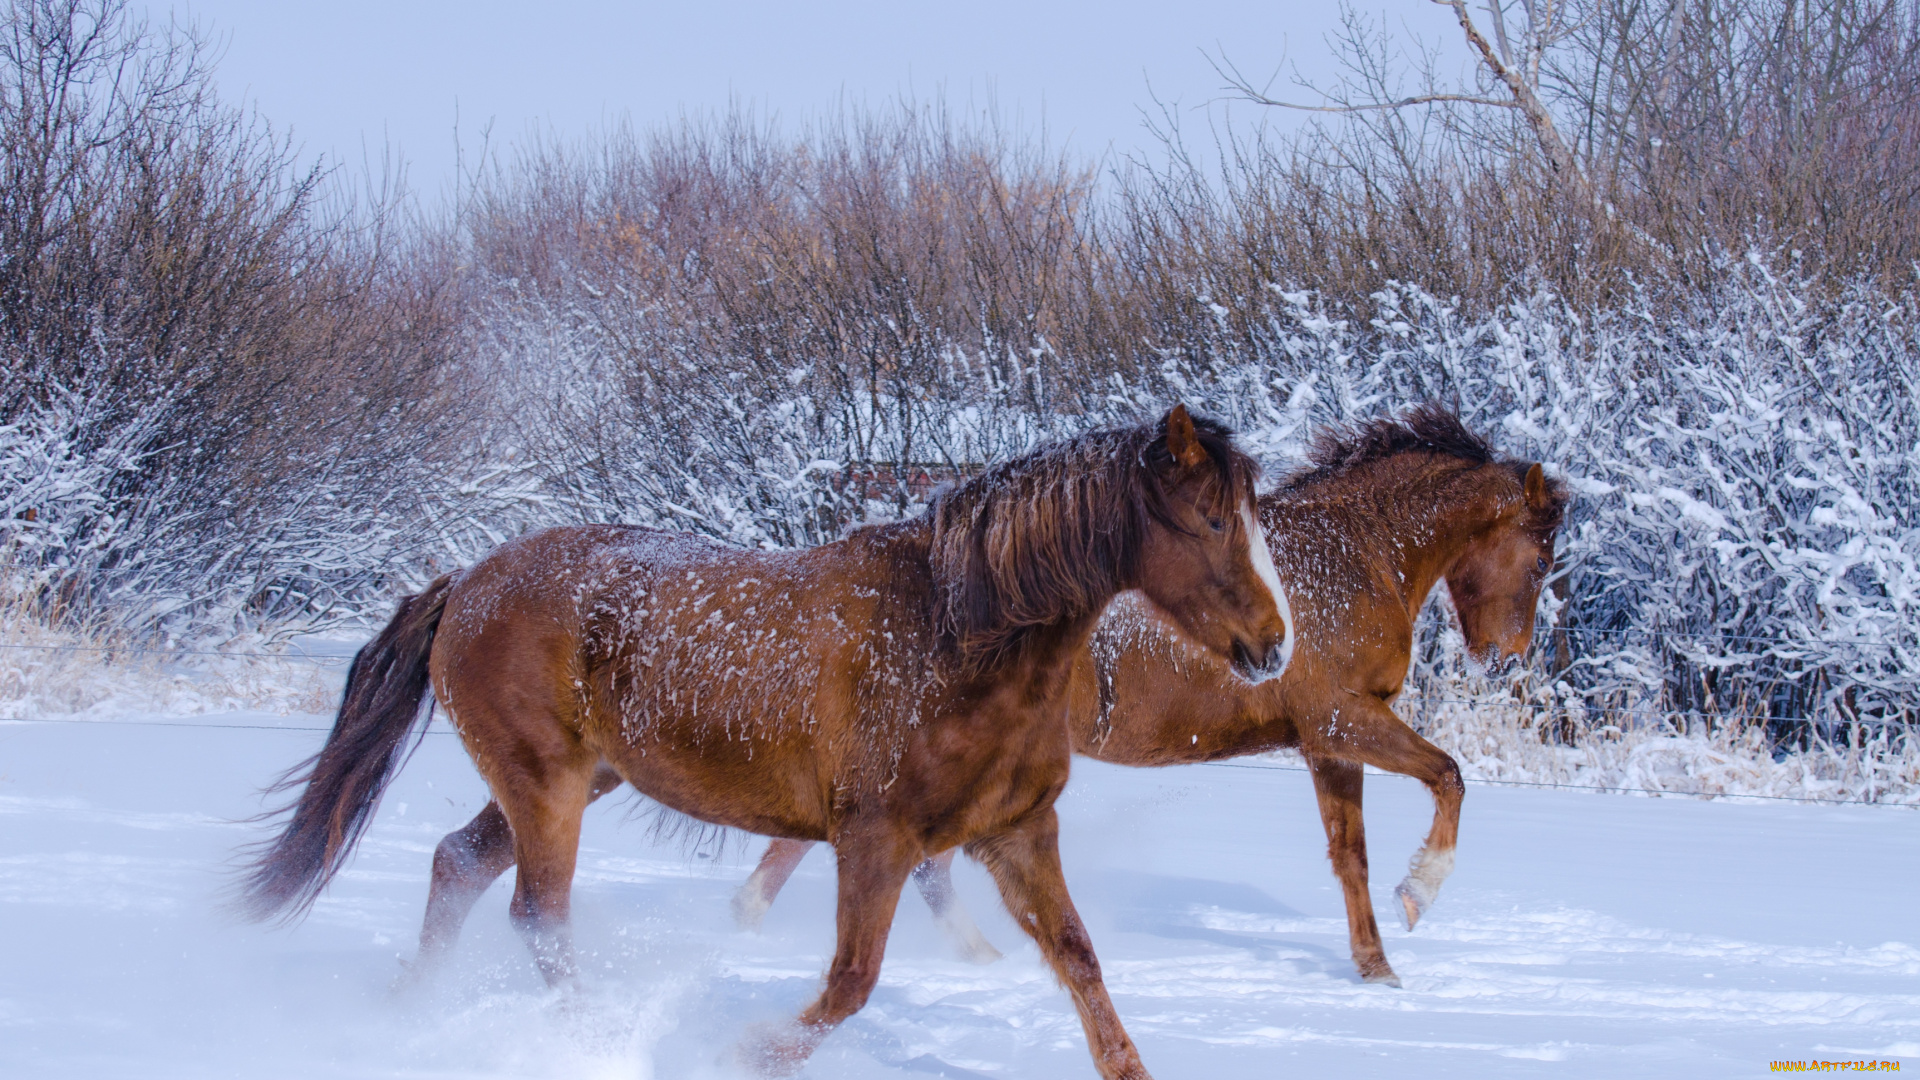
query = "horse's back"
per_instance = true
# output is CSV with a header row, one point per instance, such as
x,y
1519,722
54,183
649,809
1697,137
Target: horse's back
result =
x,y
535,590
570,575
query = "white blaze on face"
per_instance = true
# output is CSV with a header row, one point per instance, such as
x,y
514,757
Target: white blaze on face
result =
x,y
1270,577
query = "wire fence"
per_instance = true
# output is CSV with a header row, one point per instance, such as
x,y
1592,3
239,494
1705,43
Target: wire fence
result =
x,y
1709,635
1587,714
1564,707
118,650
1614,789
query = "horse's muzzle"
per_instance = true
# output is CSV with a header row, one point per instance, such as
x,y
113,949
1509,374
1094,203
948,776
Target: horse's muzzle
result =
x,y
1493,660
1269,664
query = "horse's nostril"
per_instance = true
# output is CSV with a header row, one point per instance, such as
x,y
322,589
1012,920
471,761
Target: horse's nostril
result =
x,y
1257,662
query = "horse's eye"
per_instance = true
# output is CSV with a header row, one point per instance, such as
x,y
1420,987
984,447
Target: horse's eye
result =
x,y
1216,524
1542,564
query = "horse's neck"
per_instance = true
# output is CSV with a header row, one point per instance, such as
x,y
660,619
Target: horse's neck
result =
x,y
1430,525
1049,654
1045,656
1041,667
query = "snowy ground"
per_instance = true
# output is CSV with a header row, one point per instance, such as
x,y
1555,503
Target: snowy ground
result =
x,y
1586,935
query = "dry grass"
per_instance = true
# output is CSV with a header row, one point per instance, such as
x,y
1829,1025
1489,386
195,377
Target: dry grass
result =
x,y
1500,739
49,670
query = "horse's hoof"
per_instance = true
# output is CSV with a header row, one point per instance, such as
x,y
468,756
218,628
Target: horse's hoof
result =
x,y
749,908
980,952
1375,969
413,975
778,1049
1411,906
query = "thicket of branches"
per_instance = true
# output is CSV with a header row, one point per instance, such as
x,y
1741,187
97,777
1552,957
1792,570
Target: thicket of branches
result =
x,y
215,368
1596,147
1669,249
683,309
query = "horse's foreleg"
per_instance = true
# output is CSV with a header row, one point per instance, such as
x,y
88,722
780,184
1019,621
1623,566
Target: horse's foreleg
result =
x,y
873,869
468,861
1375,736
751,902
935,880
1430,866
1025,863
1338,785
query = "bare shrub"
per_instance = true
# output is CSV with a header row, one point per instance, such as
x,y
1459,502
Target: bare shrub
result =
x,y
239,395
1718,124
245,362
718,308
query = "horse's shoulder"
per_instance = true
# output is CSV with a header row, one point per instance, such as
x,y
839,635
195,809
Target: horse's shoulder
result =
x,y
894,550
1332,534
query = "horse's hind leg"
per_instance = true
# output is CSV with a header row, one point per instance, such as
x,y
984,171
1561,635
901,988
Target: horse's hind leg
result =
x,y
466,862
546,844
1025,863
935,880
1338,785
873,869
751,902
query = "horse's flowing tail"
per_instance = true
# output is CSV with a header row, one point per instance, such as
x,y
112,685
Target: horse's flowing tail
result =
x,y
343,782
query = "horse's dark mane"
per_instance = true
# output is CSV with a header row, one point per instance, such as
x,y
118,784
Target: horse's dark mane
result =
x,y
1053,535
1428,428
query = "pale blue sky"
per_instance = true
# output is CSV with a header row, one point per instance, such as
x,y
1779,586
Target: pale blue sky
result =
x,y
345,73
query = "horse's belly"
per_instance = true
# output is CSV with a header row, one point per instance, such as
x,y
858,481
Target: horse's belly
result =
x,y
713,729
740,783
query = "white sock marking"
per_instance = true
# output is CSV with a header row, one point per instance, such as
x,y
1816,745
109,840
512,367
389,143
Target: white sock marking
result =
x,y
1428,872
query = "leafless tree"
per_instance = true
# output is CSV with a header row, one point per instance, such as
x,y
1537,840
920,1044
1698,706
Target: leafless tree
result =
x,y
1686,125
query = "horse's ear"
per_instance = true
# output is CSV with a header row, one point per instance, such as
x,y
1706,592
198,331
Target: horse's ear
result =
x,y
1536,487
1183,443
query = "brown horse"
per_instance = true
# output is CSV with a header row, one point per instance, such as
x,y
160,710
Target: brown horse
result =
x,y
896,693
1381,514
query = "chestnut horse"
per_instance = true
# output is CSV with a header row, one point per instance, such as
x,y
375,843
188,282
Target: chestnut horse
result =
x,y
1361,535
896,693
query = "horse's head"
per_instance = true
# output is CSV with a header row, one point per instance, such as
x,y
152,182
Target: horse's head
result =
x,y
1204,560
1495,583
